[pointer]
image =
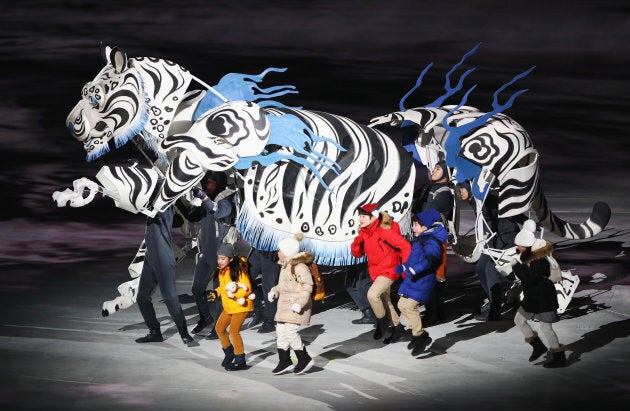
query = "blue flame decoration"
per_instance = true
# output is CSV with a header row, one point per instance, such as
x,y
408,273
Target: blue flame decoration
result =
x,y
286,130
449,91
466,170
237,86
447,84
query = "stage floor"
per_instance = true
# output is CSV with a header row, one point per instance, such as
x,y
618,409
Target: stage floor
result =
x,y
58,352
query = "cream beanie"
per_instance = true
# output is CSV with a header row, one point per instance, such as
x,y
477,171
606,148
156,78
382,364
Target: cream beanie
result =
x,y
290,246
524,238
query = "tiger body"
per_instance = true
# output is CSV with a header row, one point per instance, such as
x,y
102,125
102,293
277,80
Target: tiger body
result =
x,y
303,171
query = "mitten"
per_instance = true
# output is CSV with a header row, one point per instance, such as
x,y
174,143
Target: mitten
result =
x,y
199,193
296,308
271,296
504,269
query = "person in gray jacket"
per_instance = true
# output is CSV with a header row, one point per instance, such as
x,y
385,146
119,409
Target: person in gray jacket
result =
x,y
215,214
293,292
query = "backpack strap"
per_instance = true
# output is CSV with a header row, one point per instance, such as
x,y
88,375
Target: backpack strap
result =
x,y
294,275
435,262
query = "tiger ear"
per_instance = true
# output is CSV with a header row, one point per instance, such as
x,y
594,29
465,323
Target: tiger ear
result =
x,y
116,57
105,50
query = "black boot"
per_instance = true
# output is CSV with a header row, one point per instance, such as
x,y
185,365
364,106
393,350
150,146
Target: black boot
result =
x,y
267,326
213,335
420,343
201,324
494,312
367,318
183,332
285,363
397,332
238,364
229,356
154,335
305,362
558,360
537,344
495,305
382,324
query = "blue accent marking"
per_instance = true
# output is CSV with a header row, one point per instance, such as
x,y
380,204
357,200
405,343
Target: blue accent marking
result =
x,y
265,238
466,170
447,85
411,148
238,86
291,132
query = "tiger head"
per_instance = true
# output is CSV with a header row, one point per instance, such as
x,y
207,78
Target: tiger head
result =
x,y
112,106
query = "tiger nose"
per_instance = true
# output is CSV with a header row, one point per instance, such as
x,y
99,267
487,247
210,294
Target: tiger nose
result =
x,y
100,126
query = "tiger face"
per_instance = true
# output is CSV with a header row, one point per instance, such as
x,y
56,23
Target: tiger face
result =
x,y
112,106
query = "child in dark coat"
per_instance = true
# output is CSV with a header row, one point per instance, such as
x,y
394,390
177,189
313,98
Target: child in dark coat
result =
x,y
540,301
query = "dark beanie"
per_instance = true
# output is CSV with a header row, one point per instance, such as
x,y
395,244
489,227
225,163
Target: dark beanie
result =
x,y
226,249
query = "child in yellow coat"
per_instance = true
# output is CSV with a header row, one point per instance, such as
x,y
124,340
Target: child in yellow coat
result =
x,y
235,291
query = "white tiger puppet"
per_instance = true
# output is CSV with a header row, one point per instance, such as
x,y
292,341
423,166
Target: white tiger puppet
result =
x,y
302,171
487,150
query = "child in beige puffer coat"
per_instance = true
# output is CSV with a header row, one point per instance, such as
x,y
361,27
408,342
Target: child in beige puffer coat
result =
x,y
293,292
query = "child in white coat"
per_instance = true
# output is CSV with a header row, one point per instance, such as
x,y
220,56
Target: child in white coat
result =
x,y
293,293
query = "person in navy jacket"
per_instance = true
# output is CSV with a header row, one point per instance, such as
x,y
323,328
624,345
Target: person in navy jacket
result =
x,y
418,274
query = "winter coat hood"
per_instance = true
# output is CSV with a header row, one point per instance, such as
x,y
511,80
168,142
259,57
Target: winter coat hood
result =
x,y
537,253
294,287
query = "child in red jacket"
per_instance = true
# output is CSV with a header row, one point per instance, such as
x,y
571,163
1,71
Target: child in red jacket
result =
x,y
380,241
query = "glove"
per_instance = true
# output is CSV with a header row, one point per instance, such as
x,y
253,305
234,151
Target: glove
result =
x,y
199,193
503,269
212,295
400,269
241,301
271,296
296,308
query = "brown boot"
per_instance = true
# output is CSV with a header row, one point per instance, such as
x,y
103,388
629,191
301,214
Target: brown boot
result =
x,y
558,360
537,344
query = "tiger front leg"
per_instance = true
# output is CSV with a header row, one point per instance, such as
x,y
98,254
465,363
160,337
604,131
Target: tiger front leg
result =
x,y
77,196
185,171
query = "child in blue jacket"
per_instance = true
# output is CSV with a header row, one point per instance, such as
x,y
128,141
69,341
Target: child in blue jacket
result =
x,y
419,274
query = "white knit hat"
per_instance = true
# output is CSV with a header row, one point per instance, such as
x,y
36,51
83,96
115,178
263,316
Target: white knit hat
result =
x,y
290,246
524,238
529,225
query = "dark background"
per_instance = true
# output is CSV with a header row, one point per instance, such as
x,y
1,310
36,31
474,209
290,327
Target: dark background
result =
x,y
353,58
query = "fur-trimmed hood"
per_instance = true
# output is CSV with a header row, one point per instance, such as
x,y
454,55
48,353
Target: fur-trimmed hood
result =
x,y
534,254
386,220
301,257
